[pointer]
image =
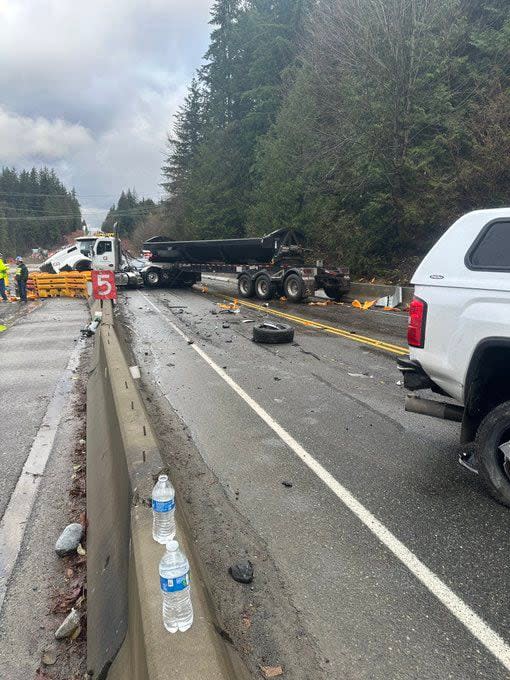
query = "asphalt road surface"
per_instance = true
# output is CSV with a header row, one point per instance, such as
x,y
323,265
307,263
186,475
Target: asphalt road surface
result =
x,y
39,356
394,559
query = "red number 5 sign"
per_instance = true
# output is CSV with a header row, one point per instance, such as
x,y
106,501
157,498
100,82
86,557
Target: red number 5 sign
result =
x,y
103,286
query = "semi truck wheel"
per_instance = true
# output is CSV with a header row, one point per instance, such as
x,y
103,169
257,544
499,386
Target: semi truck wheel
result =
x,y
493,452
273,333
334,293
294,288
245,286
152,278
264,288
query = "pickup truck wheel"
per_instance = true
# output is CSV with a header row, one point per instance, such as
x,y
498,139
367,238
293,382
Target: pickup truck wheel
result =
x,y
245,286
294,288
152,278
273,333
493,457
264,288
334,293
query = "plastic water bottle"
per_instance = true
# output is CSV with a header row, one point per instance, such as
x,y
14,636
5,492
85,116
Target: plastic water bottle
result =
x,y
163,510
175,586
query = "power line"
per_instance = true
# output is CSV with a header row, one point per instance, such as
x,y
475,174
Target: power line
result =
x,y
135,212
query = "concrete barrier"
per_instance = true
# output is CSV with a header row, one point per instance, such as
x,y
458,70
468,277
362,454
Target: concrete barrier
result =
x,y
374,291
126,638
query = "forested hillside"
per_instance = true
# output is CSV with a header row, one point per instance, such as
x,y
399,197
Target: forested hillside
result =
x,y
36,210
369,125
128,214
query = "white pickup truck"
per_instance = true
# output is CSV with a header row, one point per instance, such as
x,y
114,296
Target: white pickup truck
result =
x,y
459,339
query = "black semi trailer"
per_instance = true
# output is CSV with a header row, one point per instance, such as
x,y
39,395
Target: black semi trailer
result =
x,y
273,265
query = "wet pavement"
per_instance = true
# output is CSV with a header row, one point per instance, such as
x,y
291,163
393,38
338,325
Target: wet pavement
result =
x,y
363,613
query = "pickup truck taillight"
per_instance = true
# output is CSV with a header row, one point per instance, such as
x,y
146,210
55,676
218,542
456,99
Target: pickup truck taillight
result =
x,y
417,321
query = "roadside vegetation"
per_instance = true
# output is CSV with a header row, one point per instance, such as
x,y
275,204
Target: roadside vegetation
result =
x,y
368,125
36,210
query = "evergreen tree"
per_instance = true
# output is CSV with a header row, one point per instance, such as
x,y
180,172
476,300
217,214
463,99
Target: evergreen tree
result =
x,y
37,210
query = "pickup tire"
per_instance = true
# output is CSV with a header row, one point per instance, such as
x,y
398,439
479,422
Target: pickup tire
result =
x,y
273,333
493,467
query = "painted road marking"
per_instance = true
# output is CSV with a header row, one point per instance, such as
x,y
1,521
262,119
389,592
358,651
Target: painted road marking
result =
x,y
364,340
460,609
17,513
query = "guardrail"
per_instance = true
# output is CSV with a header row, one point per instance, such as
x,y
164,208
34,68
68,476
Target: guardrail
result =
x,y
64,284
126,637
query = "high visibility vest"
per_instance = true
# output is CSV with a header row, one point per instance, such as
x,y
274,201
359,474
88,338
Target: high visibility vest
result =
x,y
4,269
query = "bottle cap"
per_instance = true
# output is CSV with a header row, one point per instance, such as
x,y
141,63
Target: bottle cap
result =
x,y
163,478
172,546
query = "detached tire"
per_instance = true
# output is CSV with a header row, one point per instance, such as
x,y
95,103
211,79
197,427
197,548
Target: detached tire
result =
x,y
273,333
493,467
245,286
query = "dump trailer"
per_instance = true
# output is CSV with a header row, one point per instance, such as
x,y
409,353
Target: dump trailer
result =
x,y
266,267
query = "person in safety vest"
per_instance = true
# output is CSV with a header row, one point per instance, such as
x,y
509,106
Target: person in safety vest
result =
x,y
21,278
4,269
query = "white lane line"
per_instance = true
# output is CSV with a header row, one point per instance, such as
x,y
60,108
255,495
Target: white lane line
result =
x,y
17,513
493,642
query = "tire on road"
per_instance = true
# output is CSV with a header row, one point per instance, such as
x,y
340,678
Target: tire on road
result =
x,y
264,287
245,286
493,467
152,278
294,288
273,333
334,292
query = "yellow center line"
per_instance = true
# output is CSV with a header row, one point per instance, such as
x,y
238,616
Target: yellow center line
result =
x,y
364,340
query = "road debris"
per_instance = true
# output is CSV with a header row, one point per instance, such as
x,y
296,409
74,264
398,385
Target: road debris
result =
x,y
70,624
135,372
242,572
288,485
69,539
325,303
271,671
248,321
273,333
363,305
49,657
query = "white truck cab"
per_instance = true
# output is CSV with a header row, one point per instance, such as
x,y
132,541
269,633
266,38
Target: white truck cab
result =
x,y
459,339
88,252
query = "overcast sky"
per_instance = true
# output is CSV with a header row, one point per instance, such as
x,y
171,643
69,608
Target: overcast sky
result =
x,y
90,88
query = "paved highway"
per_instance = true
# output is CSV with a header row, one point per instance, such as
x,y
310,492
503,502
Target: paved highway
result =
x,y
384,559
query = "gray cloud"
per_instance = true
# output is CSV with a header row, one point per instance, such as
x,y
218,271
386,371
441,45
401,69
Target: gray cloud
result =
x,y
90,88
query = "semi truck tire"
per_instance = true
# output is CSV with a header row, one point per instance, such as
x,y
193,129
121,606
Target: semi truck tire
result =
x,y
264,287
273,333
294,288
152,278
334,293
245,286
493,466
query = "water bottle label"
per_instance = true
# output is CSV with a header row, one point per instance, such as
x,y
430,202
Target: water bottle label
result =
x,y
174,585
163,506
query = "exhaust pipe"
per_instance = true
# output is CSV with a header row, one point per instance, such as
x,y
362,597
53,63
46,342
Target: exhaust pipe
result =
x,y
436,409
